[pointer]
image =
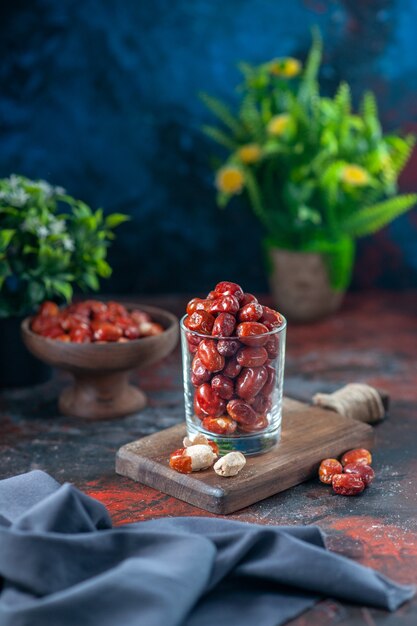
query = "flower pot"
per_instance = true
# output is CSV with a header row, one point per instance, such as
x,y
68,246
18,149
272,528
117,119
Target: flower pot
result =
x,y
300,285
18,368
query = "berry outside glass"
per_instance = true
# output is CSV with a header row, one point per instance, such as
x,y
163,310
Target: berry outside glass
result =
x,y
233,388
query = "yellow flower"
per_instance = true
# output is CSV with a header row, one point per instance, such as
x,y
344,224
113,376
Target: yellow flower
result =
x,y
355,175
287,67
249,153
229,179
278,124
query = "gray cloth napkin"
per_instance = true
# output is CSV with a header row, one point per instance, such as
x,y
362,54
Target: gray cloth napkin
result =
x,y
62,564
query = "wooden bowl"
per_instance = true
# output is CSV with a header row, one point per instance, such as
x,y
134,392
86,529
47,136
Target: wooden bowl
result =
x,y
101,388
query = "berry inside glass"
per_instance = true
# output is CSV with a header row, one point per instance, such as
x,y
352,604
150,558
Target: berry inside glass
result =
x,y
233,350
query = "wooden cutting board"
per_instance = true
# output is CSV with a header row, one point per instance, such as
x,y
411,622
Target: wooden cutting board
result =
x,y
309,435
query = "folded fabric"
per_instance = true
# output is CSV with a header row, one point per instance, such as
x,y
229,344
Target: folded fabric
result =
x,y
62,564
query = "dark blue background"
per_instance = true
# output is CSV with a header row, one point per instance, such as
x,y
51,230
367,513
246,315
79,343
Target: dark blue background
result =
x,y
100,96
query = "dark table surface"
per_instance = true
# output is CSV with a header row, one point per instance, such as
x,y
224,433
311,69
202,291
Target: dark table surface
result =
x,y
372,339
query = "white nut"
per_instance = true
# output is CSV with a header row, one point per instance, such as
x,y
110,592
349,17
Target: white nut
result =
x,y
194,440
201,457
230,464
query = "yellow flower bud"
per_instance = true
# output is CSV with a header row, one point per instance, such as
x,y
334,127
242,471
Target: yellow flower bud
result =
x,y
229,179
249,153
355,175
278,124
286,68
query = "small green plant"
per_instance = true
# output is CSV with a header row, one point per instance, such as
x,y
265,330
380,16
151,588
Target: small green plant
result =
x,y
316,174
49,243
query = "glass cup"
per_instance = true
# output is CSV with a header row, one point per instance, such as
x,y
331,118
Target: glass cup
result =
x,y
237,400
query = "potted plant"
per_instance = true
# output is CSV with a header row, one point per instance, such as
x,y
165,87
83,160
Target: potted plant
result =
x,y
50,243
316,174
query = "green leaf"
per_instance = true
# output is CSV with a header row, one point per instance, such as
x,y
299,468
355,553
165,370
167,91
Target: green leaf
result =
x,y
91,281
369,112
5,271
246,69
400,151
308,84
369,108
6,236
221,111
255,196
103,268
223,199
27,249
115,219
339,255
8,210
219,137
251,117
342,100
62,288
36,292
340,263
4,268
330,180
371,219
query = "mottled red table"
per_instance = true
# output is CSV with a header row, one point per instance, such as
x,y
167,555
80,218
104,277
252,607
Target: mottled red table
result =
x,y
372,339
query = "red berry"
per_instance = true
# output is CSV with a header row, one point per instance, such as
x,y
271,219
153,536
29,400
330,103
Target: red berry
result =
x,y
226,288
364,471
358,455
347,484
328,468
219,425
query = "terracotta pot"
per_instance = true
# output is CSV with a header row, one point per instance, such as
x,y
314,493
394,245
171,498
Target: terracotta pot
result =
x,y
300,285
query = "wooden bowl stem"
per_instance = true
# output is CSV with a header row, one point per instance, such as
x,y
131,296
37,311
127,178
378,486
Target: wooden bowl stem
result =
x,y
98,396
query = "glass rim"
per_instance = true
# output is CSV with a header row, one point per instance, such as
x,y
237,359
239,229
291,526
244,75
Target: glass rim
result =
x,y
270,333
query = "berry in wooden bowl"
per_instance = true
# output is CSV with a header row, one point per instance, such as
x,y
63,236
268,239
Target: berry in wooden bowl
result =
x,y
99,344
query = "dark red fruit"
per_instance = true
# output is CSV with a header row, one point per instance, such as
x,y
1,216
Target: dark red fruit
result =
x,y
80,334
210,358
252,357
223,386
364,471
272,346
272,319
226,288
357,455
209,401
232,368
328,468
180,462
347,484
200,321
241,412
199,374
248,297
228,347
105,331
261,404
219,425
252,334
269,386
250,382
224,325
260,423
224,304
48,309
196,304
251,312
